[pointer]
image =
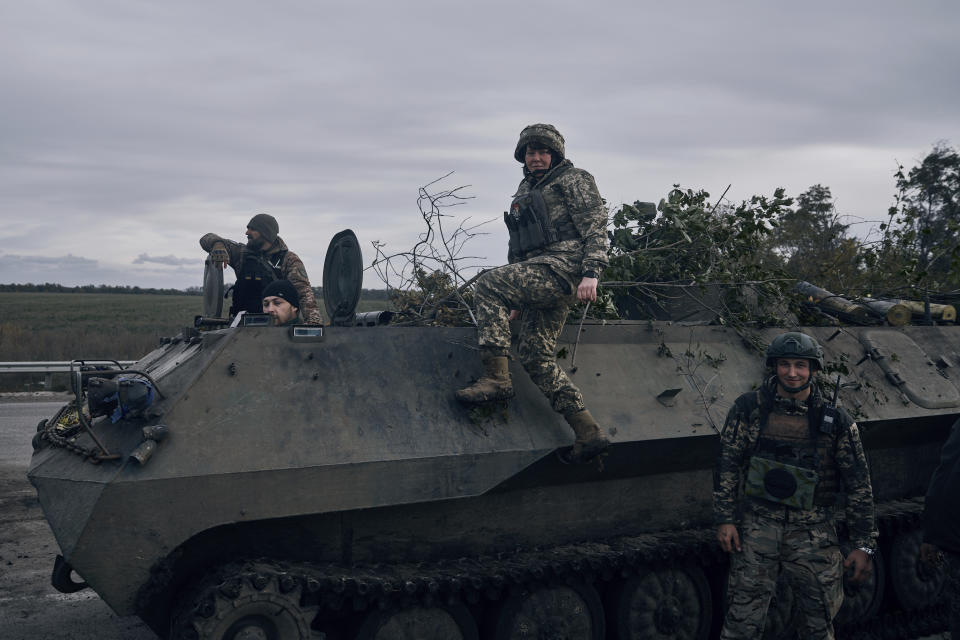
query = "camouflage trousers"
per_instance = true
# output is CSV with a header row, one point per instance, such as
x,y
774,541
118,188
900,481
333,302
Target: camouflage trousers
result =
x,y
809,553
543,298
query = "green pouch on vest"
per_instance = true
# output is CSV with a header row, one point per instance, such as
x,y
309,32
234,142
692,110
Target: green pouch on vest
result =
x,y
780,483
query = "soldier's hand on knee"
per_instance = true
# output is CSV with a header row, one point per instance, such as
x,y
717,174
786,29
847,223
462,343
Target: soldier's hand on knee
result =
x,y
514,313
861,564
729,538
587,290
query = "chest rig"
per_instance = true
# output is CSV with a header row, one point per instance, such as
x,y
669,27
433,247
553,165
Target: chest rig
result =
x,y
256,272
793,461
530,225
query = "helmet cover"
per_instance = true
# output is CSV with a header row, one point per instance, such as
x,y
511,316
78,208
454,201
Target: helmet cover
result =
x,y
544,134
795,344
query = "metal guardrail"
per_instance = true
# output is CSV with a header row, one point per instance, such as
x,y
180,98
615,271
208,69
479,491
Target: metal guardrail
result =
x,y
48,368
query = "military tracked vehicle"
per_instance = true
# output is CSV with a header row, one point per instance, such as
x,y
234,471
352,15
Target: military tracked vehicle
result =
x,y
250,481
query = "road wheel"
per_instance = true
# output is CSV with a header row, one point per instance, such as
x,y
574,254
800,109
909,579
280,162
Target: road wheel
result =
x,y
252,602
915,583
420,623
563,611
862,601
663,604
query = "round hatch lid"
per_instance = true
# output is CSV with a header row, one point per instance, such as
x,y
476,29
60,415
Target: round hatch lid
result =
x,y
212,290
342,278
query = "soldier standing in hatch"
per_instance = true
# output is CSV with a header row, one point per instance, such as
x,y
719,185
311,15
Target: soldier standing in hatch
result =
x,y
263,259
786,458
558,247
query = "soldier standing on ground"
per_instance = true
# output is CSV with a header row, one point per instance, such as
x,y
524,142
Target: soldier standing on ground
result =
x,y
787,457
558,247
941,523
263,259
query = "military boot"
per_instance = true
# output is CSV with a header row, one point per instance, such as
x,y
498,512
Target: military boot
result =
x,y
494,384
591,441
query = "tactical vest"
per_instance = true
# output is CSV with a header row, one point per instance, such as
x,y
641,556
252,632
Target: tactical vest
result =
x,y
256,272
530,226
796,443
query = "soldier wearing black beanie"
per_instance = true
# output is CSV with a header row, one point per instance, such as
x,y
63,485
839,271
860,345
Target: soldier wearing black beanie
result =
x,y
267,226
281,301
283,289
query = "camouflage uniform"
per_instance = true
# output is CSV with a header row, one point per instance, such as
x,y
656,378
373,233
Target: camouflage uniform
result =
x,y
543,283
291,267
801,541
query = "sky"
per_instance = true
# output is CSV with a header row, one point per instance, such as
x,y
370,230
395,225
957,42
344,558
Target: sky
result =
x,y
128,129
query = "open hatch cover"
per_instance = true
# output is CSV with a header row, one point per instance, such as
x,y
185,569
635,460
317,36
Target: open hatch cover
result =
x,y
342,278
212,290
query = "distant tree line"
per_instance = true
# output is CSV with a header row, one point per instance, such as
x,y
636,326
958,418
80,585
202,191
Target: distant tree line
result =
x,y
49,287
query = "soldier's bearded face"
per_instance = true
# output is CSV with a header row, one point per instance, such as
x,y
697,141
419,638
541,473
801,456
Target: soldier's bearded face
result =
x,y
281,310
254,240
537,158
793,372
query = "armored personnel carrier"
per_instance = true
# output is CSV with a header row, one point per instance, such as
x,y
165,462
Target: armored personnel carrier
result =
x,y
250,481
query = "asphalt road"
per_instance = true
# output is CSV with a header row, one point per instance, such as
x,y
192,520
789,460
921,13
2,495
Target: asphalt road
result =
x,y
31,609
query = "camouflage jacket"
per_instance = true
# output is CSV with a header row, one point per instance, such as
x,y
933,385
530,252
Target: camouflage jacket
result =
x,y
572,198
737,443
292,269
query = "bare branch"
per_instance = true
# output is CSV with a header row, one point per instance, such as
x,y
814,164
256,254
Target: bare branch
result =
x,y
431,279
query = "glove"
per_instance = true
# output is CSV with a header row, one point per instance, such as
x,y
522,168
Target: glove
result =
x,y
219,256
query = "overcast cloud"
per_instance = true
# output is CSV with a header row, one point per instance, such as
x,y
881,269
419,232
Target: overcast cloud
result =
x,y
129,129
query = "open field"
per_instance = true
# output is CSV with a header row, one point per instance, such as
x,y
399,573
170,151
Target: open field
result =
x,y
64,326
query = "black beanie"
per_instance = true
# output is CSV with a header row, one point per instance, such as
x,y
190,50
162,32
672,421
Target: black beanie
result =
x,y
266,225
282,289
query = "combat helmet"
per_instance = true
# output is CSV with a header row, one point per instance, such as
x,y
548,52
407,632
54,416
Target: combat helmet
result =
x,y
545,134
795,345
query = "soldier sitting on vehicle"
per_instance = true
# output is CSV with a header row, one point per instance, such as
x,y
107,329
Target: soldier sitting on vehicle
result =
x,y
557,249
787,460
263,259
281,301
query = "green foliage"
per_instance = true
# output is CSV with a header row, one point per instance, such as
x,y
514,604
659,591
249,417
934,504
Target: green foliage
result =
x,y
813,242
685,242
432,299
920,243
741,262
